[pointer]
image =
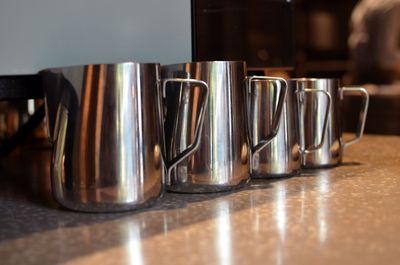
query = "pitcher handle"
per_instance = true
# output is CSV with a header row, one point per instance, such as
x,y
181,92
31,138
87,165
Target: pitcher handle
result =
x,y
300,95
278,113
171,164
362,116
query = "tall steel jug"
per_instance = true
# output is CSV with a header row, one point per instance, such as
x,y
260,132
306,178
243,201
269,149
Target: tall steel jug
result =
x,y
333,146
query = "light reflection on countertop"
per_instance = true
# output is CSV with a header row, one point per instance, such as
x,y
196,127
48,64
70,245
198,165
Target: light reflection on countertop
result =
x,y
134,245
323,186
223,234
344,215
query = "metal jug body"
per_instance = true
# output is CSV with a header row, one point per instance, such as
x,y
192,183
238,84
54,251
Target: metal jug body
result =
x,y
281,157
222,160
105,126
330,151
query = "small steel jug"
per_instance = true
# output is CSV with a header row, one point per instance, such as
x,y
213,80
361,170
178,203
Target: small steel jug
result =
x,y
331,150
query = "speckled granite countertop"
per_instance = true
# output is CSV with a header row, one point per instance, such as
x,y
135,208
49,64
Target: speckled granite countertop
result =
x,y
345,215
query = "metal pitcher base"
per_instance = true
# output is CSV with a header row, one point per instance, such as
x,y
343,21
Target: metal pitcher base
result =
x,y
326,163
107,207
315,166
271,176
89,201
204,188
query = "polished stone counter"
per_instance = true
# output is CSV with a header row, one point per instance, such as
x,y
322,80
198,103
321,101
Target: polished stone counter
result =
x,y
344,215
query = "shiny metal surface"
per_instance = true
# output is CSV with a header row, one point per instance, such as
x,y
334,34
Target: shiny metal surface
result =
x,y
281,157
222,159
342,215
330,152
104,123
172,162
273,112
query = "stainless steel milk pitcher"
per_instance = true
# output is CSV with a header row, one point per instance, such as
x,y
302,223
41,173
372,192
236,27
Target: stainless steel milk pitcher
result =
x,y
332,148
106,126
266,98
221,161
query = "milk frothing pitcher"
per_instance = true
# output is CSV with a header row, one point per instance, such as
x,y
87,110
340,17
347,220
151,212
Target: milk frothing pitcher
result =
x,y
221,161
331,150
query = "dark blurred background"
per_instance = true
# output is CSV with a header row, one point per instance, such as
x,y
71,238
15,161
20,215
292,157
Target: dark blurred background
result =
x,y
306,37
292,38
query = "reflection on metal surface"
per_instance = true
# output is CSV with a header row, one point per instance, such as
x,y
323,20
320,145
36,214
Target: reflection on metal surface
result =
x,y
104,122
176,156
281,156
268,107
217,164
59,150
332,146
